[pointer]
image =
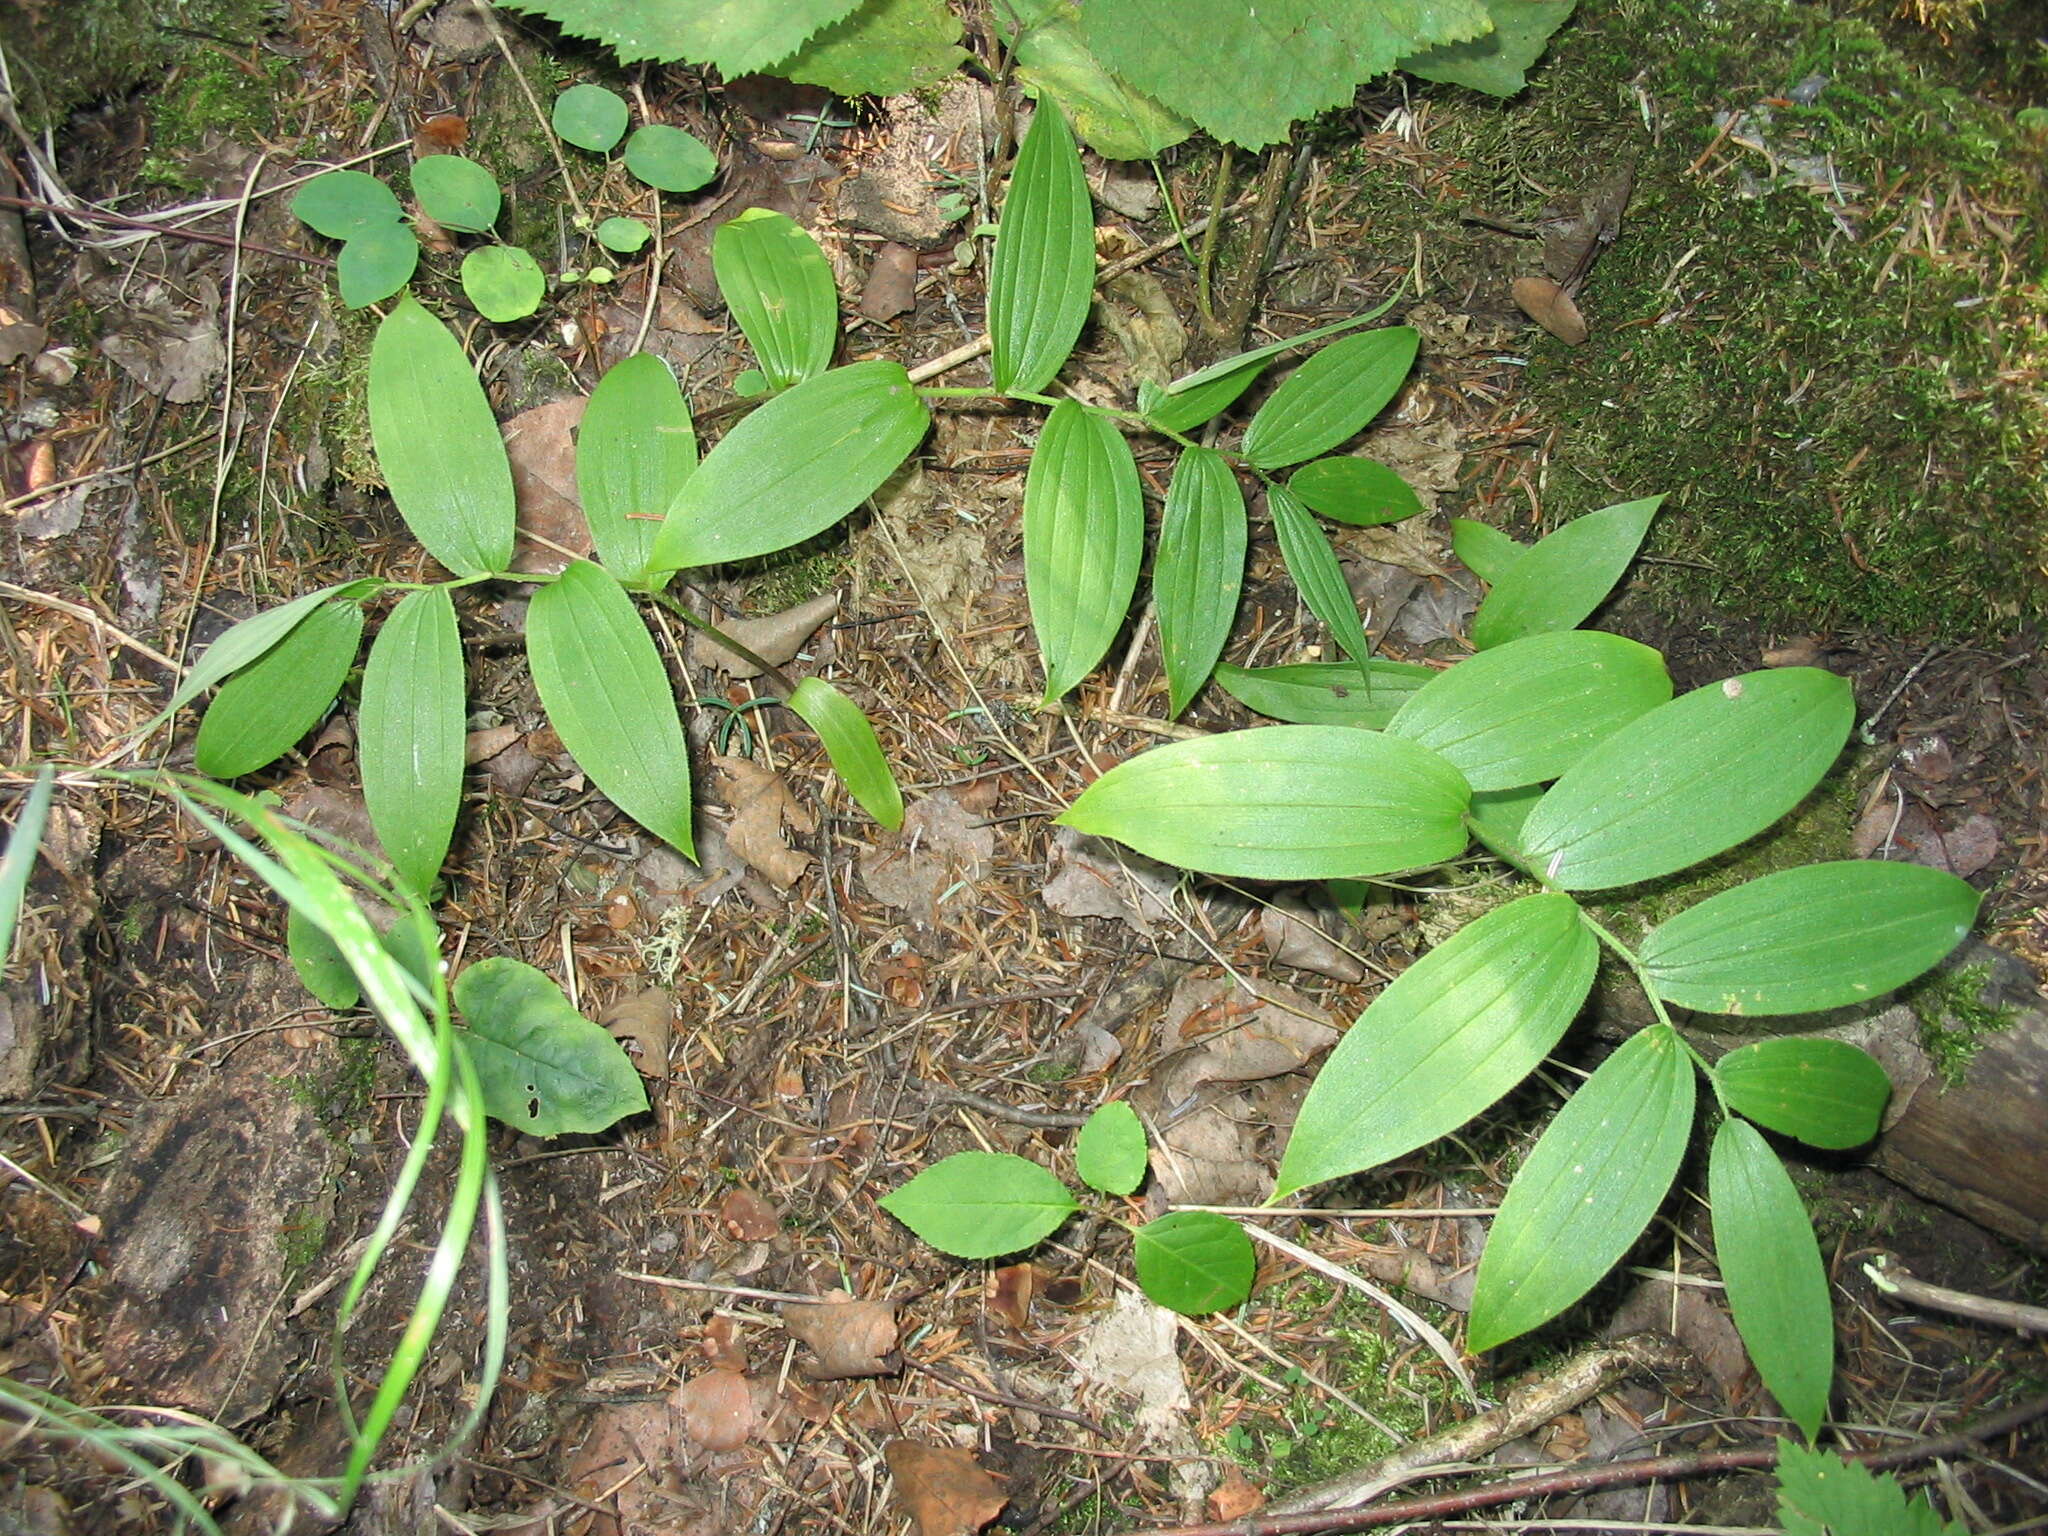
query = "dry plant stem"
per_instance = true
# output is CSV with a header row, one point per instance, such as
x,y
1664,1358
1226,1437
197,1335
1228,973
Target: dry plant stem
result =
x,y
79,611
547,130
1005,1400
169,231
1980,1309
1205,266
1044,1119
1272,193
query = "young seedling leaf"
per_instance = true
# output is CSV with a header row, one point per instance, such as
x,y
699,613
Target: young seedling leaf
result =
x,y
502,281
545,1069
634,451
1043,273
1819,1494
1589,1188
1496,819
851,745
319,964
609,699
1821,936
375,263
1199,570
1526,711
410,733
1690,778
343,204
1110,1152
1450,1035
779,288
1084,537
794,467
981,1205
1282,802
1355,491
438,443
668,159
1564,576
884,48
1325,692
734,38
1238,362
1486,552
1194,1262
457,193
623,235
268,705
247,641
24,840
1776,1285
1187,410
1825,1092
1330,397
1317,575
590,117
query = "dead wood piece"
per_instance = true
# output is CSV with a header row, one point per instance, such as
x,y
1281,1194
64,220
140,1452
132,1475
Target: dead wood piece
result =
x,y
1980,1309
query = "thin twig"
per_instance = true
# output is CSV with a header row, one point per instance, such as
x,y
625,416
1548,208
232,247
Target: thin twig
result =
x,y
88,215
1005,1400
1980,1309
79,611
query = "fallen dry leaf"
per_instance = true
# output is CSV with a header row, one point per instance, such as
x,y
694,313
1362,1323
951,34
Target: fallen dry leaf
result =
x,y
1240,1037
541,443
1234,1497
761,806
647,1018
1130,1350
1010,1290
937,851
747,1217
775,638
943,1490
891,288
1293,936
1543,301
1094,878
718,1409
846,1338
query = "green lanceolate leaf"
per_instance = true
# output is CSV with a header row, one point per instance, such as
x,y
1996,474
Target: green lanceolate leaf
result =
x,y
884,48
1330,397
1317,575
409,734
1283,802
779,288
1117,122
1194,1262
1496,819
1487,553
1689,779
457,193
1238,362
668,159
1590,1186
503,282
1187,410
1450,1035
375,264
608,698
1110,1154
24,841
438,443
267,706
319,962
1771,1266
1084,537
545,1069
1822,936
343,204
1199,570
1325,692
1825,1092
1496,63
1564,576
794,467
590,117
1526,711
1355,491
244,642
981,1205
634,450
851,745
1043,273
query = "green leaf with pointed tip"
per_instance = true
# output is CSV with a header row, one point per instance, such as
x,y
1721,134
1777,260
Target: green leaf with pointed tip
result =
x,y
24,841
1282,802
851,745
410,734
375,263
590,117
981,1205
668,159
735,37
608,697
1110,1153
1825,1092
779,288
318,962
1238,362
884,48
1496,820
1498,62
545,1069
1198,571
1325,692
634,451
1117,122
1526,711
1821,936
1330,397
343,204
1449,1036
1355,491
623,235
1317,575
438,443
1565,575
1776,1285
794,467
1690,778
268,705
1589,1188
1084,537
1194,1262
247,641
457,193
1487,553
1190,408
1042,275
503,282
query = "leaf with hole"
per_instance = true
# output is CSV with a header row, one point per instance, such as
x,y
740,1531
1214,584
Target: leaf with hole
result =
x,y
266,707
1325,692
981,1205
668,159
344,204
457,193
1317,575
503,282
1355,491
1194,1262
375,264
1042,276
850,744
1110,1153
634,451
590,117
1084,537
545,1069
410,735
1825,1092
1564,576
1330,397
779,288
1198,571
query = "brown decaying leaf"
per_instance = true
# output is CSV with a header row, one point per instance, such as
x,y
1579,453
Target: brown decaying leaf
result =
x,y
541,443
761,804
775,638
647,1018
1293,936
1010,1290
1234,1497
1543,301
846,1338
718,1409
939,849
748,1217
942,1489
891,288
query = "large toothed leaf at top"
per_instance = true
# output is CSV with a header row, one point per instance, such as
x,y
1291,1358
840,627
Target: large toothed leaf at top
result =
x,y
779,288
1116,121
851,745
1689,779
1199,570
737,37
267,706
608,697
1325,692
438,443
1042,275
1498,62
634,450
1565,575
1084,536
1317,575
1825,1092
409,734
1330,397
1283,802
884,48
794,467
1450,1035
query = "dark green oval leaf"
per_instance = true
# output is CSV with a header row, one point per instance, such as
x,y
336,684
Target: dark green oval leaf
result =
x,y
318,961
457,193
268,705
1325,692
1110,1153
623,235
1084,537
1194,1262
1187,410
1330,397
590,117
544,1068
1317,575
1825,1092
1486,552
410,734
981,1205
851,745
1565,575
1198,571
634,451
375,264
343,204
669,159
1355,491
779,288
1043,272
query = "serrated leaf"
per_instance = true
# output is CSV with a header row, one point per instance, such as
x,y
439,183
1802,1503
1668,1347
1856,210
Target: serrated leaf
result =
x,y
851,745
410,734
457,193
590,117
268,705
1486,552
1331,397
1589,1188
1689,779
884,48
1526,711
737,37
1820,1494
245,641
375,263
1825,1092
318,962
1282,802
1565,575
438,443
623,235
24,841
503,282
545,1069
1114,120
1317,575
793,467
668,159
1198,572
1497,63
1325,692
634,451
1355,491
779,288
1190,408
1084,537
1110,1152
981,1205
1822,936
1777,1287
1042,275
608,698
342,204
1194,1262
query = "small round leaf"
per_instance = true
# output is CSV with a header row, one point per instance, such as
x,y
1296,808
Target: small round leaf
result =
x,y
375,264
342,204
457,193
590,117
669,159
1194,1262
622,235
503,282
1109,1154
